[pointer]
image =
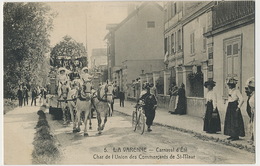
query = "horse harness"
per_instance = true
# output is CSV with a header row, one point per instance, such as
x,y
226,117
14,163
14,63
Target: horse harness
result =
x,y
84,97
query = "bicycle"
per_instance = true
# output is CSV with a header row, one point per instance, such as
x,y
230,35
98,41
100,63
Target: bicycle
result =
x,y
138,118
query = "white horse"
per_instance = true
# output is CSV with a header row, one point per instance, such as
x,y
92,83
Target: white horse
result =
x,y
71,99
83,105
100,104
62,98
110,98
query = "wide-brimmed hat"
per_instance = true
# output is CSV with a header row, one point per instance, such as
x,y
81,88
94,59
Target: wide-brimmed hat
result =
x,y
147,86
62,69
250,82
232,81
84,68
210,82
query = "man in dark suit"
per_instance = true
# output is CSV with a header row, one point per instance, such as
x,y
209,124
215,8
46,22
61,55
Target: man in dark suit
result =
x,y
149,107
25,95
34,95
122,98
20,96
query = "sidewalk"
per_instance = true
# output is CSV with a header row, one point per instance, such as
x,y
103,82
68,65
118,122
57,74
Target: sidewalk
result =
x,y
19,135
187,124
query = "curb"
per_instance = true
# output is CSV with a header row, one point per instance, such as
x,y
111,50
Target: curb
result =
x,y
204,137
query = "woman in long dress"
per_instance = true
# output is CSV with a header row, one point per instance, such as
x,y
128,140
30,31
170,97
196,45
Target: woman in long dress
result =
x,y
211,119
234,124
251,87
181,101
173,93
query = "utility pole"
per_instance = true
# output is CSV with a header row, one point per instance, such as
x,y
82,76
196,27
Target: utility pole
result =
x,y
87,37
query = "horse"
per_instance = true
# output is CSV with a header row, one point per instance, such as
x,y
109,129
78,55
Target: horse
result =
x,y
100,103
110,98
83,105
71,99
62,97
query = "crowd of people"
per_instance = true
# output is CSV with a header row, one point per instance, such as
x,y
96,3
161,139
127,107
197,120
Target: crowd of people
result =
x,y
37,92
233,122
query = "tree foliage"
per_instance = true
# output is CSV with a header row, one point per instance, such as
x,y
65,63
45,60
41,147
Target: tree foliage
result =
x,y
27,29
68,48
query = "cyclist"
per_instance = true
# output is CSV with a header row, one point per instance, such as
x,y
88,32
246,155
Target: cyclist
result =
x,y
150,105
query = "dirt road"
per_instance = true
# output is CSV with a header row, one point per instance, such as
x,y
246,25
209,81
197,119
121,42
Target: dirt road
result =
x,y
121,145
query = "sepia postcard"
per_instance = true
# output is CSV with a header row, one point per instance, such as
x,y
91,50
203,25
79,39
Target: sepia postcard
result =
x,y
129,82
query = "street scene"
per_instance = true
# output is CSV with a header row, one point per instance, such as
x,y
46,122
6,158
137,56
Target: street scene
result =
x,y
168,82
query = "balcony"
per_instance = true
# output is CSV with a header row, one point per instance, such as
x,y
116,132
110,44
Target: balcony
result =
x,y
229,12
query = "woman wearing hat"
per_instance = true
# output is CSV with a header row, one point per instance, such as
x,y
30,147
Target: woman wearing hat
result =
x,y
85,76
181,101
173,91
234,125
251,88
211,119
62,78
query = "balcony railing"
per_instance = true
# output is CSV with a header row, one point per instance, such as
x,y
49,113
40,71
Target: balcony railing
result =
x,y
230,11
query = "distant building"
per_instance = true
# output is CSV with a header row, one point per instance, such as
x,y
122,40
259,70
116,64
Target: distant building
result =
x,y
98,62
135,45
98,57
110,37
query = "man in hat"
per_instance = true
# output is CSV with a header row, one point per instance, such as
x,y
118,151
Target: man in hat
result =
x,y
20,96
25,95
149,107
153,90
144,89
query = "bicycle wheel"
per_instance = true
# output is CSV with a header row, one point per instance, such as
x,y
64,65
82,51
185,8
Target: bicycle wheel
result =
x,y
141,123
134,119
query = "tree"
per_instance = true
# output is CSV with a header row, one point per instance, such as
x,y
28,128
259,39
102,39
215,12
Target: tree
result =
x,y
68,50
27,29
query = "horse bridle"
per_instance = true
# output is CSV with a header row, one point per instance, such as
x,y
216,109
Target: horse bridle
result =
x,y
62,92
108,94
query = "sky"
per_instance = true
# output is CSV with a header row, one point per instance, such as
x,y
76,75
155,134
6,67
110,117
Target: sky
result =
x,y
86,21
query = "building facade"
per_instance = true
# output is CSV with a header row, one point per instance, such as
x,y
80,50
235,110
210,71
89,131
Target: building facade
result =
x,y
231,47
136,45
209,40
185,49
110,38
